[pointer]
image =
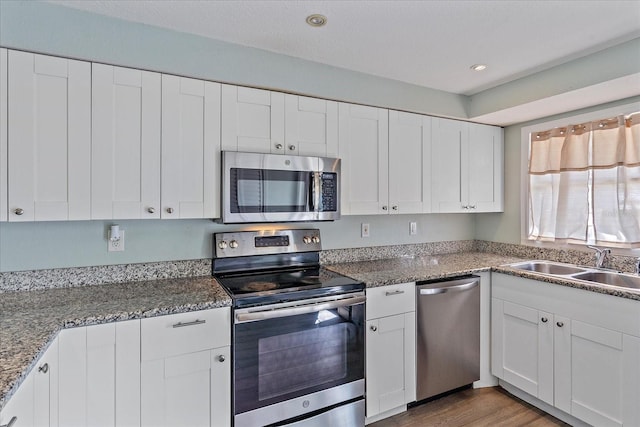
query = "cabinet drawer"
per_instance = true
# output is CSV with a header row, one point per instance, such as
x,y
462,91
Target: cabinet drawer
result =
x,y
166,336
390,300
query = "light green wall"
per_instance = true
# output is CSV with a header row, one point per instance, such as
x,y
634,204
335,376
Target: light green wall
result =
x,y
51,29
505,227
46,28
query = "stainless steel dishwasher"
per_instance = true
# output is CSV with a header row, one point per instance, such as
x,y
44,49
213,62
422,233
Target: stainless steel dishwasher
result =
x,y
448,335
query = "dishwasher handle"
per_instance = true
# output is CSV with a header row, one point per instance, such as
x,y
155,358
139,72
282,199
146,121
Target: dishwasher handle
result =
x,y
454,286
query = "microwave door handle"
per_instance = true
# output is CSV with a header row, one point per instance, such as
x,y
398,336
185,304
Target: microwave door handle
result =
x,y
316,190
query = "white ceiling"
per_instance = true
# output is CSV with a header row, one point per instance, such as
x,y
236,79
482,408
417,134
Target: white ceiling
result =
x,y
428,43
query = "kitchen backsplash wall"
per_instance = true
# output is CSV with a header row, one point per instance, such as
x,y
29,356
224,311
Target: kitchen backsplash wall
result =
x,y
47,245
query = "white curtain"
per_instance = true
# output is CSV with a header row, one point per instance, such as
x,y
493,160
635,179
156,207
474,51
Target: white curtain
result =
x,y
584,183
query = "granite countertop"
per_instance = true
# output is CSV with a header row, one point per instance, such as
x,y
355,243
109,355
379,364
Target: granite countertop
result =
x,y
411,269
29,320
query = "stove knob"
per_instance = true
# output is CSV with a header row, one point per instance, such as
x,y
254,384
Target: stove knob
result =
x,y
315,239
233,244
222,244
306,240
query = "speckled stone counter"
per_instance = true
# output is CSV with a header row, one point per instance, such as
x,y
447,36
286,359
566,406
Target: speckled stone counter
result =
x,y
578,284
30,320
410,269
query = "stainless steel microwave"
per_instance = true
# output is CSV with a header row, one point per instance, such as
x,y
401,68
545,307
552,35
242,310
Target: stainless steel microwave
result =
x,y
278,188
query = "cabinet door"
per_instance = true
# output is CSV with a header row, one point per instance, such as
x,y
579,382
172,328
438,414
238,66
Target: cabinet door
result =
x,y
190,183
594,373
364,147
45,388
49,114
3,134
19,408
99,375
252,120
125,157
409,163
449,159
522,348
311,126
484,173
177,390
221,387
390,362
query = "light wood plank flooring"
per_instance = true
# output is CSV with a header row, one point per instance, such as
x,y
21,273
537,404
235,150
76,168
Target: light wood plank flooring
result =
x,y
490,407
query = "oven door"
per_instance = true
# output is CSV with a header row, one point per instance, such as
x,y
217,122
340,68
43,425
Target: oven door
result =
x,y
297,359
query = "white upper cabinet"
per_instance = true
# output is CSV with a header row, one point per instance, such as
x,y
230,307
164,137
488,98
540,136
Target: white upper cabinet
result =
x,y
253,120
466,167
311,126
364,147
190,183
485,170
49,117
3,134
409,161
262,121
125,163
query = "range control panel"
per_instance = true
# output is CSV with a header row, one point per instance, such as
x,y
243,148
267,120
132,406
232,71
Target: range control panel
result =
x,y
266,242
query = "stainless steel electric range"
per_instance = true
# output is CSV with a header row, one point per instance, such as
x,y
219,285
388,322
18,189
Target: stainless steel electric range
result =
x,y
298,333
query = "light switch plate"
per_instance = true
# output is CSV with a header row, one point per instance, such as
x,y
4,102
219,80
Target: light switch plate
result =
x,y
413,228
364,230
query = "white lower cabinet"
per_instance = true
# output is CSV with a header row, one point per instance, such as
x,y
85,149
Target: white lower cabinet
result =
x,y
575,350
99,380
390,349
186,369
35,401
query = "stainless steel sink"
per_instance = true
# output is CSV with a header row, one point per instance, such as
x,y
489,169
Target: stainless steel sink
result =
x,y
547,267
607,278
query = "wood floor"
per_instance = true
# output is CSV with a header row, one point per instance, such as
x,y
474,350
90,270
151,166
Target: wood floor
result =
x,y
473,407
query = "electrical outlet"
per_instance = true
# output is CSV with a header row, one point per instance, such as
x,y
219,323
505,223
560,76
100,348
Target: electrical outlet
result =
x,y
364,230
413,228
116,245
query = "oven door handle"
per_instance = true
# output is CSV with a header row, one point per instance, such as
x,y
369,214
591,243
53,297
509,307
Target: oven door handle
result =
x,y
252,316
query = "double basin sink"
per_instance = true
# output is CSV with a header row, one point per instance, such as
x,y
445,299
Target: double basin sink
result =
x,y
586,274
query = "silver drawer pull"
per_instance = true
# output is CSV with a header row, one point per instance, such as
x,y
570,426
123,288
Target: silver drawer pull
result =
x,y
195,322
44,368
396,292
11,422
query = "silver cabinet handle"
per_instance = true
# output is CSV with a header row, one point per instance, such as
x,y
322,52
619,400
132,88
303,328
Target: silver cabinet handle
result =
x,y
18,211
472,207
151,210
278,146
395,208
560,324
11,422
44,368
396,292
384,208
170,210
292,147
374,328
221,358
544,320
195,322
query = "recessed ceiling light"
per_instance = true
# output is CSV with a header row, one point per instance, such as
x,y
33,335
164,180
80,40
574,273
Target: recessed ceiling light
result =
x,y
478,67
316,20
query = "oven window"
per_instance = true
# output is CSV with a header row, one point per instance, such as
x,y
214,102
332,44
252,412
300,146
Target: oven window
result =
x,y
299,360
263,190
282,358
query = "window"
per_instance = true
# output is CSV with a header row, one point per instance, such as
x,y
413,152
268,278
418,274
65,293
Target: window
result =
x,y
583,182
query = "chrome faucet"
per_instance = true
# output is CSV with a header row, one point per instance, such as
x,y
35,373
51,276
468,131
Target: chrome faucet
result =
x,y
601,256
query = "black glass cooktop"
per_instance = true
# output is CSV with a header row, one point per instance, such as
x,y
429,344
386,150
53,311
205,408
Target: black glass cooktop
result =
x,y
259,288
